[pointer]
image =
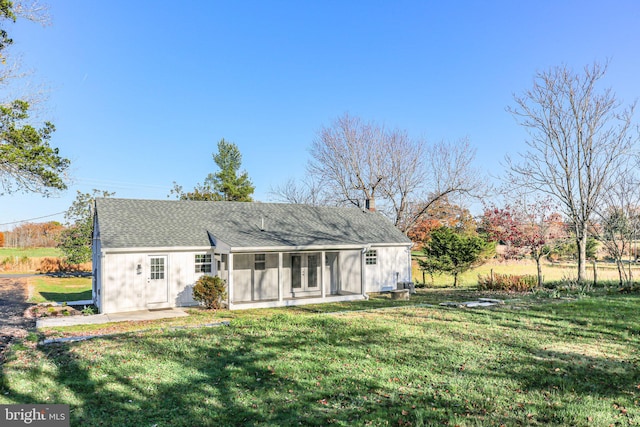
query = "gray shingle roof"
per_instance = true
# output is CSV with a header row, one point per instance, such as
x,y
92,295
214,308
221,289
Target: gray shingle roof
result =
x,y
129,223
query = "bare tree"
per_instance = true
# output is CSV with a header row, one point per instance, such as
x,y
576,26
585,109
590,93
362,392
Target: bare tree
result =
x,y
358,161
578,139
618,217
31,10
350,158
307,191
405,174
448,171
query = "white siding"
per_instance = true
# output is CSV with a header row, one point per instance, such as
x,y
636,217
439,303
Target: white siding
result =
x,y
350,271
393,266
123,289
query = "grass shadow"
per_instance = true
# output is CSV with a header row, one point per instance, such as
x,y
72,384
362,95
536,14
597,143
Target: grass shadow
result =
x,y
66,296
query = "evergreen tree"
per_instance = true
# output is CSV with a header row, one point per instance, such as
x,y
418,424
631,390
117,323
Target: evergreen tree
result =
x,y
453,253
228,184
27,161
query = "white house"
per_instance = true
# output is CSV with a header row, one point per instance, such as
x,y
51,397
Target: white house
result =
x,y
149,253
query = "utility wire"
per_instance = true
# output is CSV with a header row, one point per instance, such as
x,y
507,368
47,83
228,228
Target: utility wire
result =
x,y
31,219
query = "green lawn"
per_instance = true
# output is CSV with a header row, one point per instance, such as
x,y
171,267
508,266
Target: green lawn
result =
x,y
59,289
531,362
30,252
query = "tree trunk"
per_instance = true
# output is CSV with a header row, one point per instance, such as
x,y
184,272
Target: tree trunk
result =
x,y
455,280
539,267
620,271
582,257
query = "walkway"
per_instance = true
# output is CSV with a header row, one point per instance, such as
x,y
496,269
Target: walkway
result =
x,y
50,322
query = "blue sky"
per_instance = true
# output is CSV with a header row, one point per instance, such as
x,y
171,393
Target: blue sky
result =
x,y
142,91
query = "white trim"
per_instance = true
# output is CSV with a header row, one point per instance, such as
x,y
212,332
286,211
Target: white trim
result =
x,y
323,285
280,278
158,249
230,278
313,248
363,269
294,302
248,249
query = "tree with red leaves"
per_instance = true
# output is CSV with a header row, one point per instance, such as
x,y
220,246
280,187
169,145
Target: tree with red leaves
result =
x,y
524,227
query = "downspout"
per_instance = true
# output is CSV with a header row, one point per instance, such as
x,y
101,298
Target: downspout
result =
x,y
410,265
362,269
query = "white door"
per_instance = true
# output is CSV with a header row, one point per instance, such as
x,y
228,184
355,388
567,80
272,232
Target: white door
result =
x,y
157,282
304,272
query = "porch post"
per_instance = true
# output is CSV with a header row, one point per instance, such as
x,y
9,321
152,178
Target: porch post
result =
x,y
280,278
323,280
230,279
362,269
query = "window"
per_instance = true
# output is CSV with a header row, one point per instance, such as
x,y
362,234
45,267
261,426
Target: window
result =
x,y
157,268
260,261
203,263
371,257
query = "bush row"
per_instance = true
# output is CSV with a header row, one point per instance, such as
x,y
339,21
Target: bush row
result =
x,y
507,282
43,265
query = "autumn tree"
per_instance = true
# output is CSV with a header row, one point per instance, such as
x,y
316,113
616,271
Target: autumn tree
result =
x,y
524,227
34,234
578,138
1,239
441,213
452,252
75,239
228,184
360,163
27,160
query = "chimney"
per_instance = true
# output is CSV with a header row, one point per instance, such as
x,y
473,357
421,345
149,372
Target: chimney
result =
x,y
370,204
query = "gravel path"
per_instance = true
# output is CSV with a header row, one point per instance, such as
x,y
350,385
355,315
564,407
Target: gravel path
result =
x,y
13,303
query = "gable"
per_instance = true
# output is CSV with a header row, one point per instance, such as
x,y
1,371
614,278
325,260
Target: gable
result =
x,y
131,223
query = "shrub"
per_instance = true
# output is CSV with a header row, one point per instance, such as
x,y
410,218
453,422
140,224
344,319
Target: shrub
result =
x,y
507,282
210,291
89,310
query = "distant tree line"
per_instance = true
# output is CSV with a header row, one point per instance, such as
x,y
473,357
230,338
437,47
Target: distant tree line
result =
x,y
32,235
